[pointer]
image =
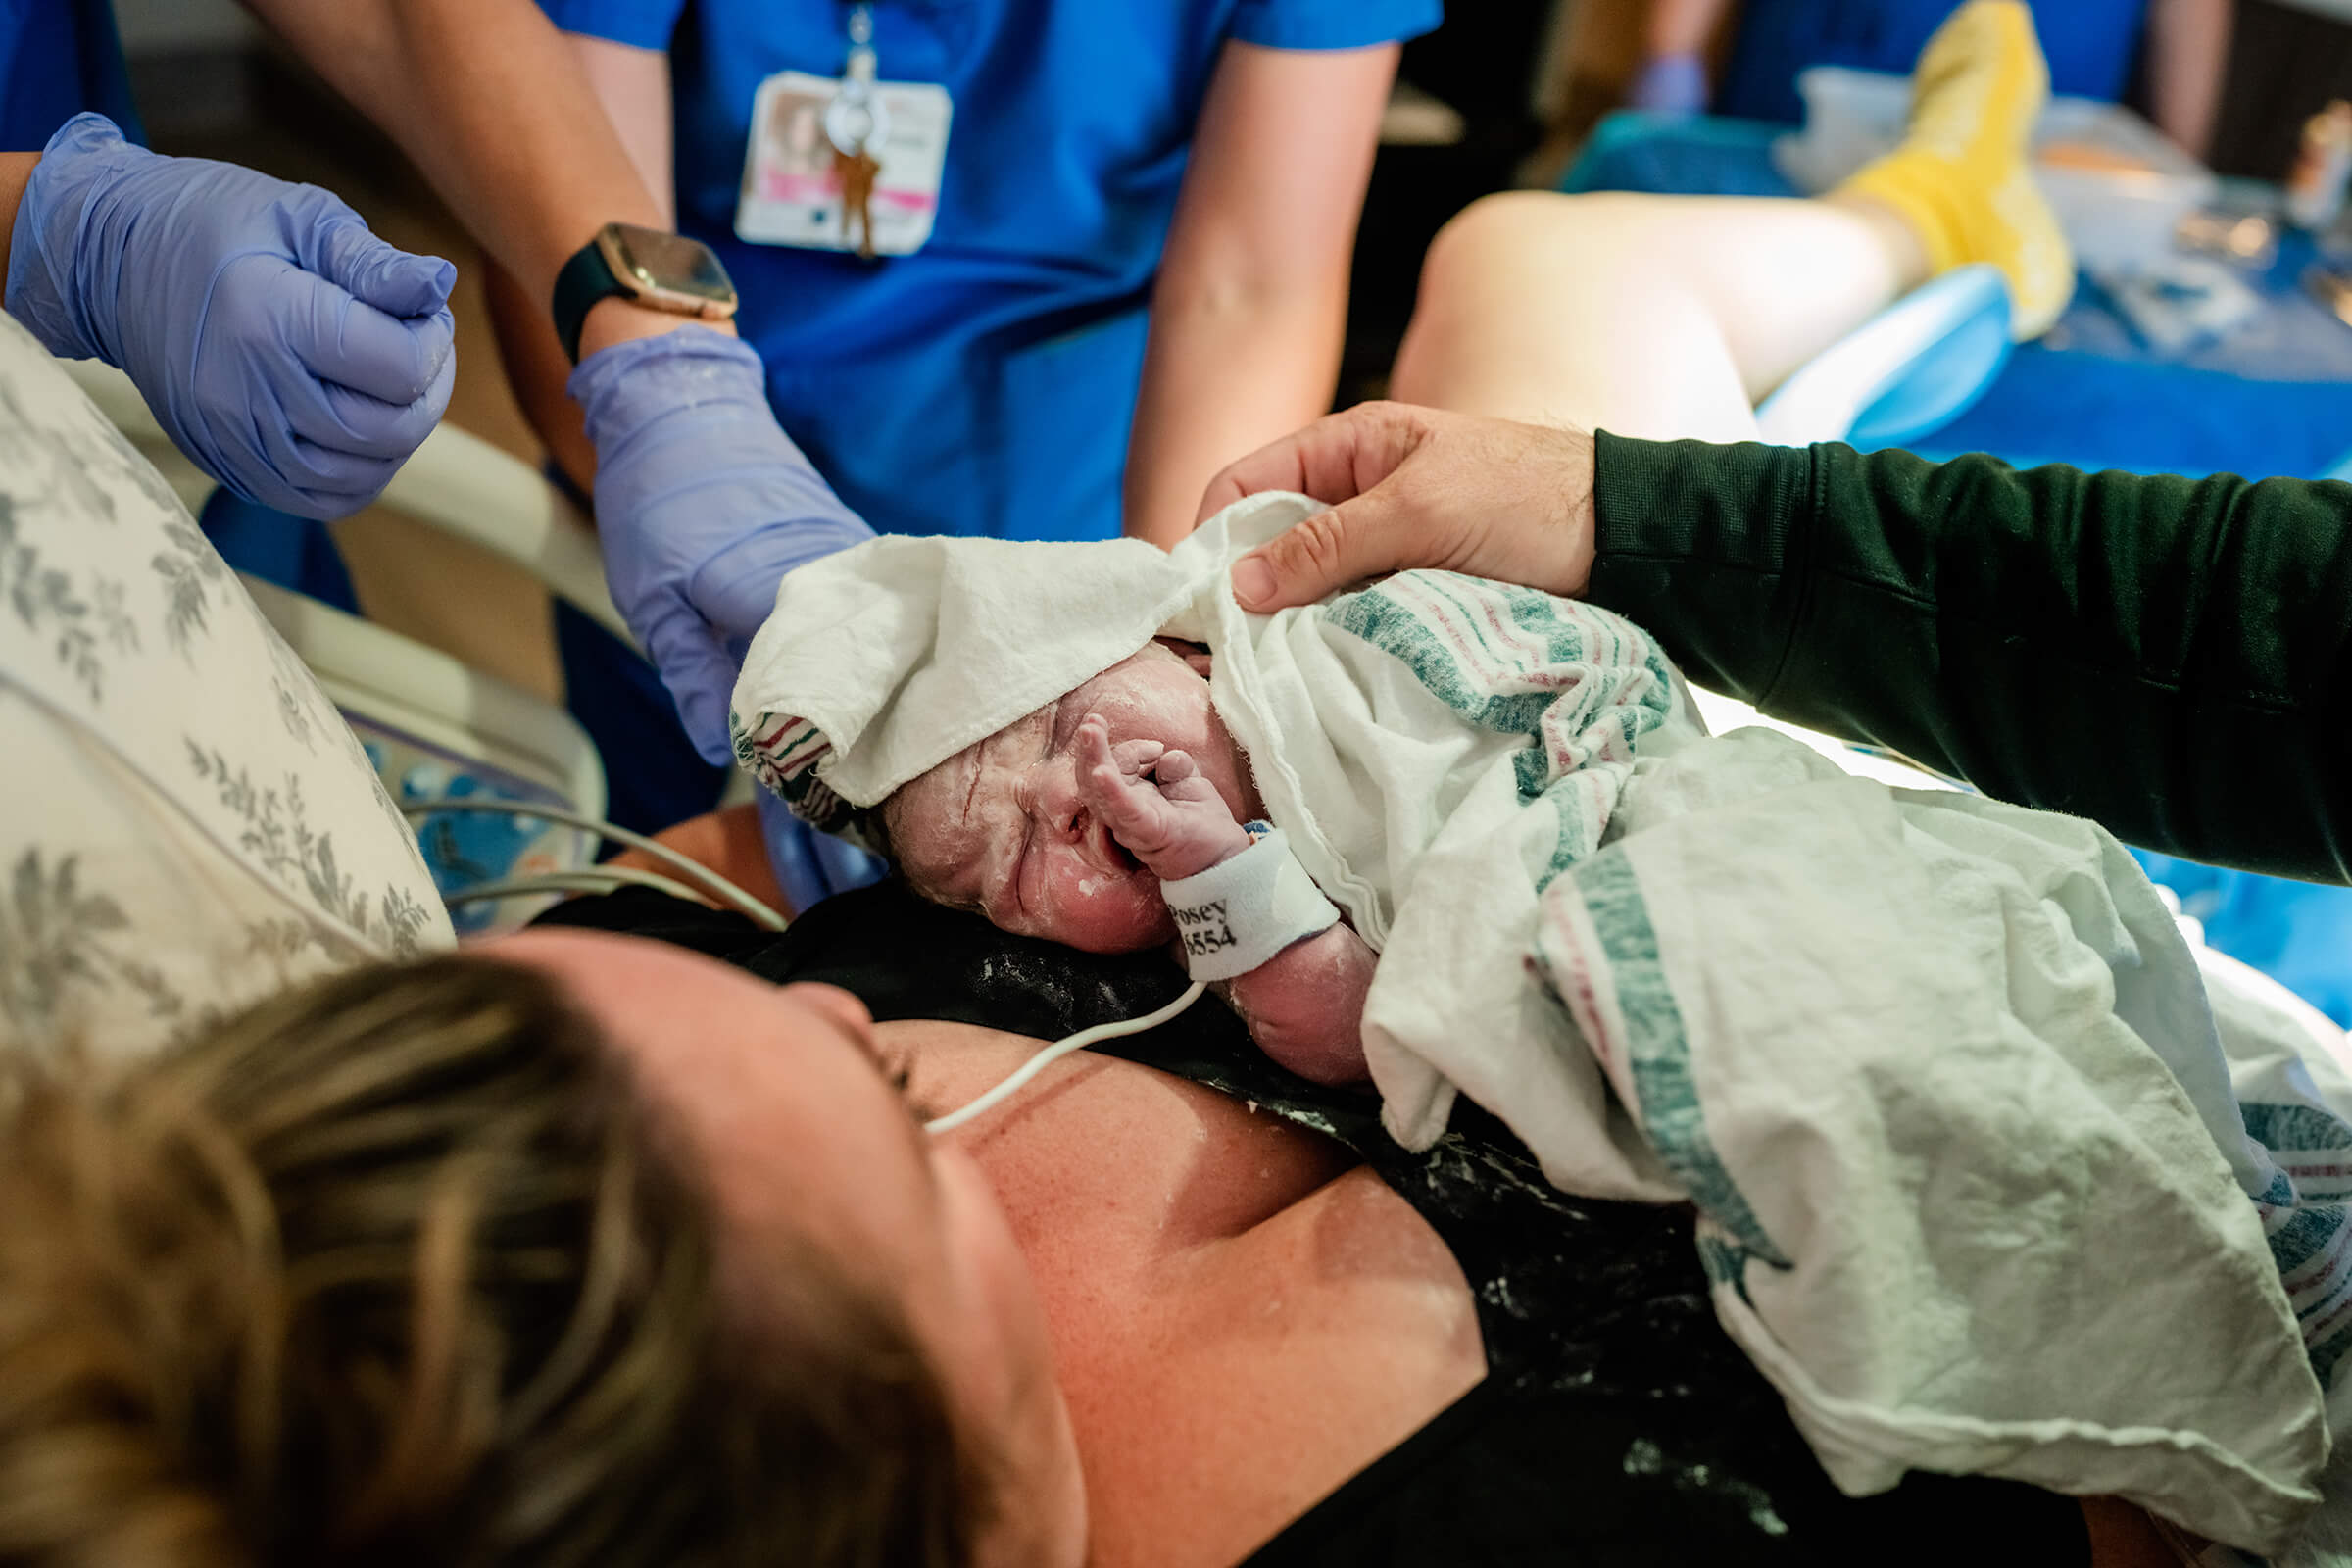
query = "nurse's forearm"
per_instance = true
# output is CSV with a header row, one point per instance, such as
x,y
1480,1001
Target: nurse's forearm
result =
x,y
624,131
1221,381
1682,27
1251,304
493,105
538,372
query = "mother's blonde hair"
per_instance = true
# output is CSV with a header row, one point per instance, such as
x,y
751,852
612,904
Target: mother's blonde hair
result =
x,y
396,1270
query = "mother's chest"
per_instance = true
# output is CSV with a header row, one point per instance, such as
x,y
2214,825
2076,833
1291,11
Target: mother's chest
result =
x,y
1128,1172
1139,1194
1243,1317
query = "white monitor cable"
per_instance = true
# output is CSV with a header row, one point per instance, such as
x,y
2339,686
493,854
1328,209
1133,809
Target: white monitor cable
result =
x,y
603,878
1059,1049
600,878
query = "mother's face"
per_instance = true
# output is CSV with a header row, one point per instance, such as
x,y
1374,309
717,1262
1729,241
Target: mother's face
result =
x,y
803,1140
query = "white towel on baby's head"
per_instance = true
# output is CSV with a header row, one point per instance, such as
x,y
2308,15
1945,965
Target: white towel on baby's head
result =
x,y
886,659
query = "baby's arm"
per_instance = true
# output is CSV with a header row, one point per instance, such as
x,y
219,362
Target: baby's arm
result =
x,y
1304,1006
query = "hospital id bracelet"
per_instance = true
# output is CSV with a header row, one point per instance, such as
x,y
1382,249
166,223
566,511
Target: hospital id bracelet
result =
x,y
661,270
1247,907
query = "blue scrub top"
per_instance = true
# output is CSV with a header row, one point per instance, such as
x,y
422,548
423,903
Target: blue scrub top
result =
x,y
985,384
2091,45
57,59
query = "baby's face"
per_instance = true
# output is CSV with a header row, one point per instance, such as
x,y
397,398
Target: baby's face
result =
x,y
1001,826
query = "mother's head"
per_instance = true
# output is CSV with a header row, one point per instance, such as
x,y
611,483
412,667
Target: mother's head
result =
x,y
595,1253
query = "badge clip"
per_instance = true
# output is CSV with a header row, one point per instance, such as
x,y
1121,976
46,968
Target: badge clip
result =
x,y
856,117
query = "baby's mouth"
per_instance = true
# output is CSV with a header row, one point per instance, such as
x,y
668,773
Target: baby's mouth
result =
x,y
1105,851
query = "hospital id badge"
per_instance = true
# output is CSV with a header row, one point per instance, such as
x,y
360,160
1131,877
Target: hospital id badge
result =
x,y
792,184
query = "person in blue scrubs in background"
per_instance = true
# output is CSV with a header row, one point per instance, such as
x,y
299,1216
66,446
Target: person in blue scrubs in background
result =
x,y
1137,269
1084,139
323,357
1186,172
298,360
2091,46
291,354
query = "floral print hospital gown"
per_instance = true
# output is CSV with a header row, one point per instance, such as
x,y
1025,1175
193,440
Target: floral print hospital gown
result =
x,y
186,824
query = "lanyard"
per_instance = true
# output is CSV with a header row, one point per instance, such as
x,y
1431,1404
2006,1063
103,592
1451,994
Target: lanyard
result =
x,y
855,119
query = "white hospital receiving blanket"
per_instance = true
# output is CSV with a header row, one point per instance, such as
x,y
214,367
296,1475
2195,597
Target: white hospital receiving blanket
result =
x,y
1977,1190
186,824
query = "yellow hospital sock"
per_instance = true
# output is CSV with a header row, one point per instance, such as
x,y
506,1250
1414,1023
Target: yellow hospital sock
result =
x,y
1963,179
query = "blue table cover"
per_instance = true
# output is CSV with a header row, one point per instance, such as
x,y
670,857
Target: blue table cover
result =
x,y
2273,398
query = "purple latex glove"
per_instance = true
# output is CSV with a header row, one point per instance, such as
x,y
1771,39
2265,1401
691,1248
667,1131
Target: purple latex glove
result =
x,y
294,356
1670,85
703,504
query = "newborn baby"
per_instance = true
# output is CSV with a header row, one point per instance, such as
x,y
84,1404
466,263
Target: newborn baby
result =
x,y
1064,824
1403,769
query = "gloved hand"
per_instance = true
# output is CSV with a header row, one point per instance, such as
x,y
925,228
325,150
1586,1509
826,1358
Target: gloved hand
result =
x,y
809,864
1670,85
291,354
703,504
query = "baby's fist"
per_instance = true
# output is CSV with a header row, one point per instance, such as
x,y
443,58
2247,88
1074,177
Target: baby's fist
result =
x,y
1156,801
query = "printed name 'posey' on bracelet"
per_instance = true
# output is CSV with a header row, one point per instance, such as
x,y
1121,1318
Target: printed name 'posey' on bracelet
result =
x,y
1241,911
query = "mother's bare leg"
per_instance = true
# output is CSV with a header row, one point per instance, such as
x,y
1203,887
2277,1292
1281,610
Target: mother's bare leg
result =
x,y
1670,316
1661,316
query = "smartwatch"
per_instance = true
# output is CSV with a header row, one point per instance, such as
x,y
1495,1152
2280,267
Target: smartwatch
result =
x,y
665,272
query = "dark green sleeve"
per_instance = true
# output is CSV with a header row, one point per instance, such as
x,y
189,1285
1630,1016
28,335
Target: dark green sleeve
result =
x,y
2168,657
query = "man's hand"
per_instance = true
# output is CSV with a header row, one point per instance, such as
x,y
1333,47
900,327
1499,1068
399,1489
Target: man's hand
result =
x,y
1156,801
1417,487
294,356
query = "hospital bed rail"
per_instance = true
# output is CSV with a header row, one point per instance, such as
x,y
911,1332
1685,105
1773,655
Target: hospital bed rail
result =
x,y
505,790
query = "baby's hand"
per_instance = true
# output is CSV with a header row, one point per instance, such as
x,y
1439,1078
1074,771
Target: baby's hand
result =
x,y
1156,801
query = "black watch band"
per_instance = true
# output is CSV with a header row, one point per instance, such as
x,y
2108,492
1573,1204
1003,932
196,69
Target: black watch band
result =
x,y
585,280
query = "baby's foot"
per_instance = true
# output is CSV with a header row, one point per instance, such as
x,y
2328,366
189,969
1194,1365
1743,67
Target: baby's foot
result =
x,y
1963,177
1156,801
